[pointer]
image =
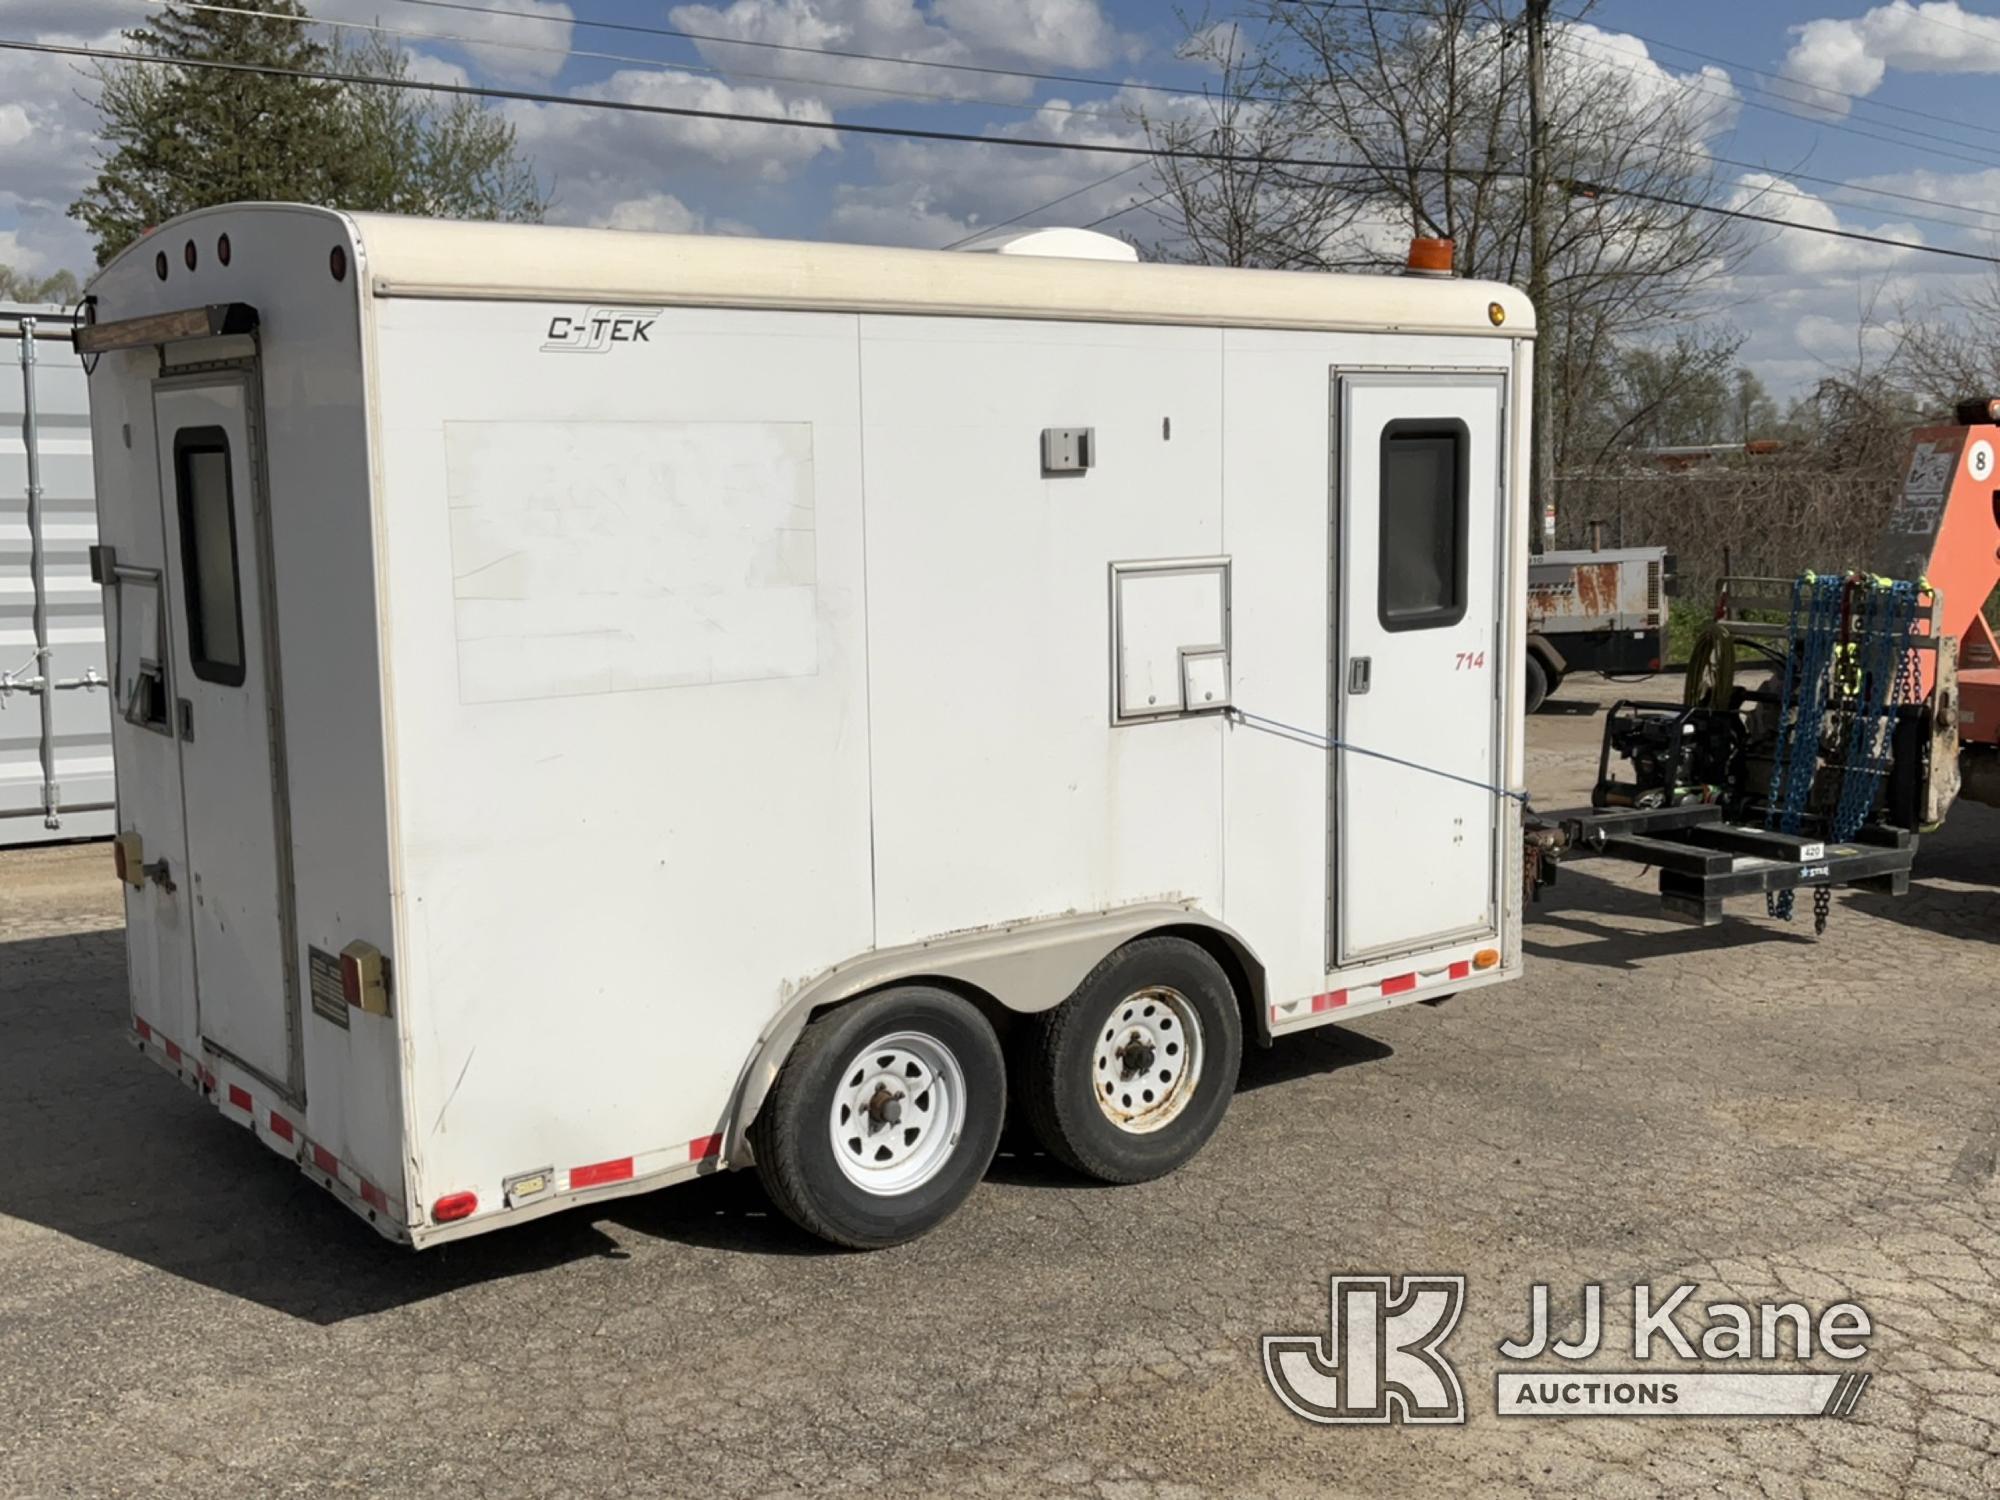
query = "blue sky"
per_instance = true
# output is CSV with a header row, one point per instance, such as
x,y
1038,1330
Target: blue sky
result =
x,y
1906,92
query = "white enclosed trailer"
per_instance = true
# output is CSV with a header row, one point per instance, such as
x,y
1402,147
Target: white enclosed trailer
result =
x,y
596,708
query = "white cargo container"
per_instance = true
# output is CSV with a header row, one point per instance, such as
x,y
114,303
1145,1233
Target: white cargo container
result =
x,y
597,708
55,728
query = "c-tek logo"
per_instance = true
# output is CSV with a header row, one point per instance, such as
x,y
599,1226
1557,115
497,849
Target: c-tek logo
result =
x,y
1380,1360
596,329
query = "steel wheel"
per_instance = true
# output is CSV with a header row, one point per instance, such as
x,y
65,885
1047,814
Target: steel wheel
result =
x,y
884,1116
898,1113
1147,1063
1128,1077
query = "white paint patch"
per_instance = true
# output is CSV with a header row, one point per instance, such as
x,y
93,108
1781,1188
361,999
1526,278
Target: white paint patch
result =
x,y
606,557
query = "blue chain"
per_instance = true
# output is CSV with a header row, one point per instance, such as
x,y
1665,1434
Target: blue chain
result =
x,y
1866,681
1809,675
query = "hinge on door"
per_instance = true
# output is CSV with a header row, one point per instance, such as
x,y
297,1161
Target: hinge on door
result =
x,y
184,711
1359,672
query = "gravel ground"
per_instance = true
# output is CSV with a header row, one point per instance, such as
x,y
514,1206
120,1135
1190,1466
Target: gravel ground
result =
x,y
1740,1106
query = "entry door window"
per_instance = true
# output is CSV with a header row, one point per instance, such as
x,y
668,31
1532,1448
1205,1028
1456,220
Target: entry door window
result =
x,y
1423,524
208,555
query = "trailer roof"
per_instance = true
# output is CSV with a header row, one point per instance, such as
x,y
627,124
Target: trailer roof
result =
x,y
405,257
409,257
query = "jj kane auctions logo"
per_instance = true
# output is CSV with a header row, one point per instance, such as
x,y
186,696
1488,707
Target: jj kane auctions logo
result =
x,y
597,329
1381,1358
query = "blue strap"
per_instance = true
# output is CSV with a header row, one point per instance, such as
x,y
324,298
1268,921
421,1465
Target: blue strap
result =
x,y
1327,742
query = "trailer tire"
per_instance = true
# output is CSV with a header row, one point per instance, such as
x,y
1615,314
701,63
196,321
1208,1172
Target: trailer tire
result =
x,y
1129,1077
1538,684
884,1117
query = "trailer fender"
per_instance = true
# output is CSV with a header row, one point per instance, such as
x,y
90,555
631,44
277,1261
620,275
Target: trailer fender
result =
x,y
1024,967
1552,660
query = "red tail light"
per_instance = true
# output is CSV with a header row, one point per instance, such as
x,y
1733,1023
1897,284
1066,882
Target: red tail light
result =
x,y
454,1206
118,859
350,978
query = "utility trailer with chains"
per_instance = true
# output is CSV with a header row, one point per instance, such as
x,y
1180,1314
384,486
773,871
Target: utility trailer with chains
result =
x,y
1818,778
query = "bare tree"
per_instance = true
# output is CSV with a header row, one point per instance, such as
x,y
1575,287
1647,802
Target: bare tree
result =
x,y
1416,118
1229,164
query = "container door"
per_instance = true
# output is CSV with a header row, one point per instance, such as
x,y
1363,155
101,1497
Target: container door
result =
x,y
238,893
1418,552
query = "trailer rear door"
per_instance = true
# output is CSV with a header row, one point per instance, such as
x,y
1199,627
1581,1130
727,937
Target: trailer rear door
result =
x,y
1416,579
236,889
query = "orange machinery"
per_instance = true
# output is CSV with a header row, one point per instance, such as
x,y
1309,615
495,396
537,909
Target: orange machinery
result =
x,y
1946,528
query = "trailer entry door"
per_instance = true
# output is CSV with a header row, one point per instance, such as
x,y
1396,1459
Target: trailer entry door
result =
x,y
213,520
1417,553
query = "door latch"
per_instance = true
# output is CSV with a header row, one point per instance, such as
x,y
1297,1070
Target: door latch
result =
x,y
184,711
1359,669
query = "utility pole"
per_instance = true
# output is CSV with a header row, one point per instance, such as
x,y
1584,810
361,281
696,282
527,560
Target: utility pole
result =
x,y
1542,458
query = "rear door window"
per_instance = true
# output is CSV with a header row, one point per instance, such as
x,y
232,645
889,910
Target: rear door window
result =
x,y
208,554
1423,524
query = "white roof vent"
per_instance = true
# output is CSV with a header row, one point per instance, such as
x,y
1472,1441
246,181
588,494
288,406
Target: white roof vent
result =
x,y
1073,244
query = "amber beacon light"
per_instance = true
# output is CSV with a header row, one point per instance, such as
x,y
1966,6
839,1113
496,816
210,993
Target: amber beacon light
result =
x,y
1429,257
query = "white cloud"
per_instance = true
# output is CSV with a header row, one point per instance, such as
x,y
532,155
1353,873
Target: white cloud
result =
x,y
531,44
1809,255
1707,100
597,159
663,213
1042,34
19,256
933,192
1053,33
1832,58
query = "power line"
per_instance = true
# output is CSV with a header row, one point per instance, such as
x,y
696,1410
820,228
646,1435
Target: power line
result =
x,y
1571,38
910,132
1029,213
791,79
798,47
1141,86
1569,35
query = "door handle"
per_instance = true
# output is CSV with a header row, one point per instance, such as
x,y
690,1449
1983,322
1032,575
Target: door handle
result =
x,y
185,712
1359,672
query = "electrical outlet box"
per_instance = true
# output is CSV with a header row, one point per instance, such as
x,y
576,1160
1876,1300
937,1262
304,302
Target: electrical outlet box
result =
x,y
1068,450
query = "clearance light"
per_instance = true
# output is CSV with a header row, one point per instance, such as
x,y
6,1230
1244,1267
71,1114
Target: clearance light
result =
x,y
361,980
454,1206
128,855
1486,958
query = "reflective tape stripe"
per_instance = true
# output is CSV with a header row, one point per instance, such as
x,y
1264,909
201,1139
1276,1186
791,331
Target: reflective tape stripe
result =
x,y
1402,984
601,1172
280,1126
240,1098
1330,1001
1459,970
700,1149
326,1161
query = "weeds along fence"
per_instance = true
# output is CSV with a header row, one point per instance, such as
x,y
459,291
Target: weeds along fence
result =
x,y
1768,519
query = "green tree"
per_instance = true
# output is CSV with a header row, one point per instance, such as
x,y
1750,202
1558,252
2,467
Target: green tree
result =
x,y
178,139
16,286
